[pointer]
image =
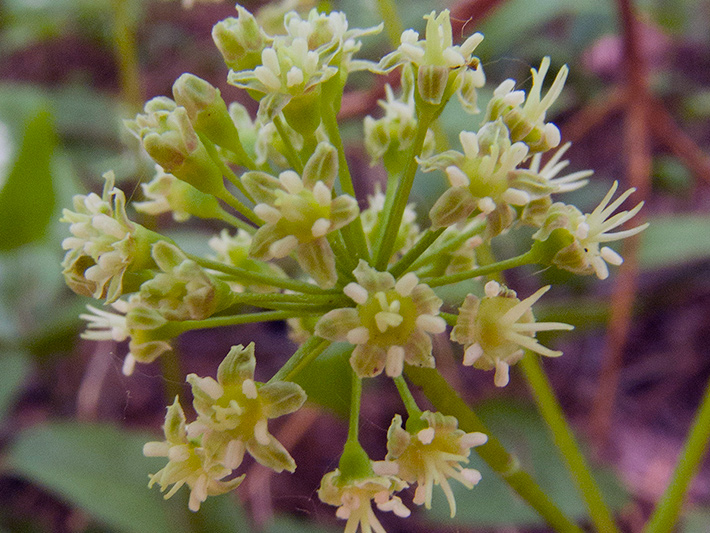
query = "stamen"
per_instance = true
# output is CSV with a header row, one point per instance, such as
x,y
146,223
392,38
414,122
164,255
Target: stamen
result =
x,y
249,389
357,293
291,181
472,354
405,285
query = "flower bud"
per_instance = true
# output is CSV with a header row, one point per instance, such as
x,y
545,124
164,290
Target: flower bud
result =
x,y
207,111
240,40
171,141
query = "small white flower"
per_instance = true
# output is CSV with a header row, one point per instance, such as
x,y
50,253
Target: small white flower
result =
x,y
391,323
431,453
589,232
497,328
353,499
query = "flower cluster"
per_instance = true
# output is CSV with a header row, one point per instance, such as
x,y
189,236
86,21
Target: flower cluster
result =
x,y
357,279
232,418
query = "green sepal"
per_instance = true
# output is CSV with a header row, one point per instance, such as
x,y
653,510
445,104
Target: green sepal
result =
x,y
546,252
174,427
238,365
281,398
321,166
318,260
261,186
272,455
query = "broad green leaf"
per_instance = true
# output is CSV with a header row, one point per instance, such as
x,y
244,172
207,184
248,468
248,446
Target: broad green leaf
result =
x,y
32,293
514,22
492,503
287,524
327,379
220,514
101,469
696,521
674,240
14,368
27,197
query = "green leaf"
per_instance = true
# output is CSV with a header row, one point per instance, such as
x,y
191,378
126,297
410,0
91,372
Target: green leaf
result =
x,y
14,368
101,469
492,503
220,514
673,240
514,22
27,198
287,524
696,521
333,393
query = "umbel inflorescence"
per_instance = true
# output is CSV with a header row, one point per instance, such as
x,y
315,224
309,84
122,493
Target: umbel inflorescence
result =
x,y
368,276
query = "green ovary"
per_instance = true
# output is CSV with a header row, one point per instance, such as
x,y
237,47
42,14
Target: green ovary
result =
x,y
483,185
243,424
392,336
299,213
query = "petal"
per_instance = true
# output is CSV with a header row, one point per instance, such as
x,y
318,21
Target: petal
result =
x,y
336,324
372,280
317,259
455,205
272,455
343,210
262,240
418,350
367,360
281,398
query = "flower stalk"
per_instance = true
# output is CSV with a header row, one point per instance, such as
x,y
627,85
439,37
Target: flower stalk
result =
x,y
562,435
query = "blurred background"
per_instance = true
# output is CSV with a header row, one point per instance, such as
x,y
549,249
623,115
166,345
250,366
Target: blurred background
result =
x,y
636,107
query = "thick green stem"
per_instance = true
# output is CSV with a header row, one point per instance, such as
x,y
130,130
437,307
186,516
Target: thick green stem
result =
x,y
665,516
344,262
424,242
236,222
176,328
247,276
450,318
451,244
447,401
260,298
353,232
401,197
393,24
408,400
291,154
173,378
301,358
563,437
224,167
355,396
126,52
527,258
239,207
